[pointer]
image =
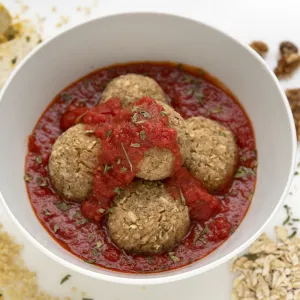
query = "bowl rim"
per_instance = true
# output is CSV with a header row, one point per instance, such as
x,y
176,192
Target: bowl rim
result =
x,y
184,275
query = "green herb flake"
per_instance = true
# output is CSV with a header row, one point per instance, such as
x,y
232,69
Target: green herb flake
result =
x,y
90,261
63,206
67,277
200,234
118,161
110,210
163,113
87,299
39,159
56,228
27,39
117,190
135,145
244,171
94,252
99,244
107,168
101,210
250,196
296,173
41,181
14,60
222,133
200,97
135,108
233,229
295,220
77,215
298,165
292,234
66,97
145,114
173,257
82,221
27,177
217,110
47,212
108,133
143,135
251,256
286,220
134,118
123,170
127,157
187,78
183,201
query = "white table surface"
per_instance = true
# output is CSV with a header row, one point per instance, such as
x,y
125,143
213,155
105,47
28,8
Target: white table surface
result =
x,y
269,20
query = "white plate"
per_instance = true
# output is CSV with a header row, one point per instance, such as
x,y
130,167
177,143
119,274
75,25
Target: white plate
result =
x,y
245,20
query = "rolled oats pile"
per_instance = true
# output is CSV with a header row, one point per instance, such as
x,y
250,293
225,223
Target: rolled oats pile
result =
x,y
270,270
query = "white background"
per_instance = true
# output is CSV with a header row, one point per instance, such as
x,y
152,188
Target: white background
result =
x,y
269,20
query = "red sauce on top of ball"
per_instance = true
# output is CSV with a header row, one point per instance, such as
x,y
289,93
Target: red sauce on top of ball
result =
x,y
193,92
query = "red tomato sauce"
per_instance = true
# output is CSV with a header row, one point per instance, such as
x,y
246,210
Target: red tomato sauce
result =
x,y
214,218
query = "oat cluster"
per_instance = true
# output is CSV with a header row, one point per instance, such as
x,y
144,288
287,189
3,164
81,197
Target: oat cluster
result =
x,y
270,270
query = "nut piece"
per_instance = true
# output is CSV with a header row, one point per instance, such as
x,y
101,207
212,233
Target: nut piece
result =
x,y
132,87
146,219
213,154
293,96
260,47
74,157
289,60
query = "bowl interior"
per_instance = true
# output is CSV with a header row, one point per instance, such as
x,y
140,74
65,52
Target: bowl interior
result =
x,y
156,37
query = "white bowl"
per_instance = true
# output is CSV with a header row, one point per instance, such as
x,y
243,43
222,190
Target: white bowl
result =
x,y
139,37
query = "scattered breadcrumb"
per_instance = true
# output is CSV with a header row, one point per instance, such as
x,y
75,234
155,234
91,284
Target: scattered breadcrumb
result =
x,y
63,21
289,59
16,280
270,269
260,47
293,96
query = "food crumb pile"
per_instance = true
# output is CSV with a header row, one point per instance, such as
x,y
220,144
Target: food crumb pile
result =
x,y
19,282
270,270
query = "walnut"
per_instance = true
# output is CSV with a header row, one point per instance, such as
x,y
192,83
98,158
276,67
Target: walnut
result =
x,y
289,59
260,47
293,96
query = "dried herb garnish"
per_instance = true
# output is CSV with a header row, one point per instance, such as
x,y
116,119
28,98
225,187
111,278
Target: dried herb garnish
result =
x,y
145,114
135,108
222,133
135,145
108,133
101,210
118,161
110,210
99,244
286,220
187,78
94,252
67,277
183,201
233,229
127,157
123,170
47,212
117,190
27,177
295,220
163,113
14,60
243,171
56,228
38,159
296,173
150,260
63,206
107,168
28,39
41,181
288,212
143,135
173,257
90,261
66,96
250,196
200,97
191,260
251,256
134,118
81,221
292,234
200,234
217,110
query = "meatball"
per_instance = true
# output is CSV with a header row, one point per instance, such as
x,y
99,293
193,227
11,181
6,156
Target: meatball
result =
x,y
74,157
131,87
213,154
146,219
158,163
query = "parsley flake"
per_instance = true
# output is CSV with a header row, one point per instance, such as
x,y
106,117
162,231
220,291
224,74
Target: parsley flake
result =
x,y
67,277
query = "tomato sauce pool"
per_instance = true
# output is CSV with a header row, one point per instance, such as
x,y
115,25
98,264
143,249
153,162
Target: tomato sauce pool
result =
x,y
193,92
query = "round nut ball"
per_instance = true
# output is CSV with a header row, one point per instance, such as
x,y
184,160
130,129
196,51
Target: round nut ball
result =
x,y
213,154
147,220
158,163
132,87
74,157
